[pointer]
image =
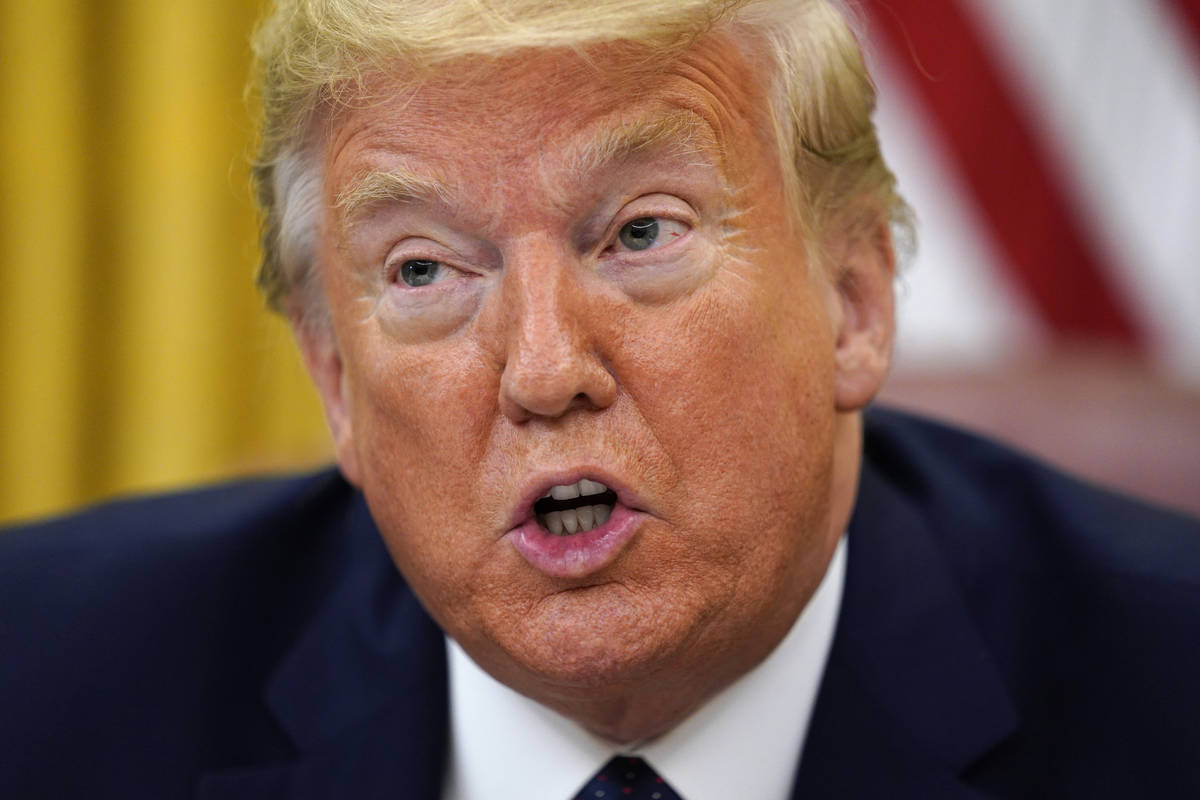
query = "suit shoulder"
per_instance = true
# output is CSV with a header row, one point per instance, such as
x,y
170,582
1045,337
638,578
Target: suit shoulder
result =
x,y
217,516
164,613
965,481
126,557
1085,600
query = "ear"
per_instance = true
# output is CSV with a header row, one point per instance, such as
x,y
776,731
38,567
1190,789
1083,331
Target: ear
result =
x,y
324,362
864,270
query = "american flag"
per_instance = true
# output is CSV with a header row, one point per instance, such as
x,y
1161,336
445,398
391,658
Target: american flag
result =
x,y
1051,149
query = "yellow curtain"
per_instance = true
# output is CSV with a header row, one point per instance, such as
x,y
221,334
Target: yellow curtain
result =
x,y
133,348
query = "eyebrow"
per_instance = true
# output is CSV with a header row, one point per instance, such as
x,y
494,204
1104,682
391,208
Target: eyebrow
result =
x,y
396,185
683,131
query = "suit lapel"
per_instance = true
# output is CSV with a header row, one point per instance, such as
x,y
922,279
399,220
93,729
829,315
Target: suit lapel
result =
x,y
362,693
910,696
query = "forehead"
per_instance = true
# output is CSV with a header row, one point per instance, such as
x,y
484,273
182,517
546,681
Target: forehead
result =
x,y
479,121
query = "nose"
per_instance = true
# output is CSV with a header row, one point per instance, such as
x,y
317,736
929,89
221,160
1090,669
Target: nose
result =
x,y
552,364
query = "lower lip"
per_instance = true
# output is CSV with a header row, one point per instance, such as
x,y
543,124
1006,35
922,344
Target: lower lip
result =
x,y
576,555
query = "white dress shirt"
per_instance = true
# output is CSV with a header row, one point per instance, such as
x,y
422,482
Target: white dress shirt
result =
x,y
744,742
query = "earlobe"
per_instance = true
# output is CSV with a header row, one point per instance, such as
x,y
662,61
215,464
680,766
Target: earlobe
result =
x,y
866,322
324,362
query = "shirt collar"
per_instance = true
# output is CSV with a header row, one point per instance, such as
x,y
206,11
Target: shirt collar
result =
x,y
745,742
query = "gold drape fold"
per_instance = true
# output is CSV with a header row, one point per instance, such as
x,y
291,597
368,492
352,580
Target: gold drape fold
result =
x,y
133,348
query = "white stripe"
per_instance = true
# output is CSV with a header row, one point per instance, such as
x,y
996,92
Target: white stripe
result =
x,y
1115,87
957,307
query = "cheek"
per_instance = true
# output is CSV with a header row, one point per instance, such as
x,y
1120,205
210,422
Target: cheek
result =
x,y
740,394
743,367
421,396
421,419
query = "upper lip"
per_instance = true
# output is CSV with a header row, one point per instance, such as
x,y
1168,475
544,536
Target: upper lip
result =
x,y
538,485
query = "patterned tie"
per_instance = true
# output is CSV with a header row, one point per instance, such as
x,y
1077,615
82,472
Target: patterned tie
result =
x,y
627,778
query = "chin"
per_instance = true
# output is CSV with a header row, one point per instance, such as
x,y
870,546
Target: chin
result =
x,y
592,639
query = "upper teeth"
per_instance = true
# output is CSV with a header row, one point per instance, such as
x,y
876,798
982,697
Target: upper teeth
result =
x,y
583,517
584,488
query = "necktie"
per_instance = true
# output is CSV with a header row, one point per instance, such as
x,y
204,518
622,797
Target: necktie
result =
x,y
627,778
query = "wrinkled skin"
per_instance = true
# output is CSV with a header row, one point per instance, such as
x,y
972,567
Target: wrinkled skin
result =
x,y
717,375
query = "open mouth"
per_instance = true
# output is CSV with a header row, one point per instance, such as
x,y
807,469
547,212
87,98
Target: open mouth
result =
x,y
575,507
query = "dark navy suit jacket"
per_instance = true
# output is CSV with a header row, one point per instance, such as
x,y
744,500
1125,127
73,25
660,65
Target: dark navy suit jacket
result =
x,y
1005,632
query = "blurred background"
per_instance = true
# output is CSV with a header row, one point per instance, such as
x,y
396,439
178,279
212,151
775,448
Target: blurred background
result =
x,y
1051,151
134,353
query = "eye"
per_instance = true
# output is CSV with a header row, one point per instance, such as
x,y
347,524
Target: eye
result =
x,y
420,271
644,233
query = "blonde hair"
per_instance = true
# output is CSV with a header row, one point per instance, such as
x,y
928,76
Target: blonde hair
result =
x,y
313,55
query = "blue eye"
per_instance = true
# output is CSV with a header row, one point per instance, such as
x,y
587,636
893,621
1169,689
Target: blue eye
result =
x,y
640,234
420,271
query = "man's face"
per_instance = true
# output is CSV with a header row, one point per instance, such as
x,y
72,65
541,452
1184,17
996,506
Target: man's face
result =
x,y
538,275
